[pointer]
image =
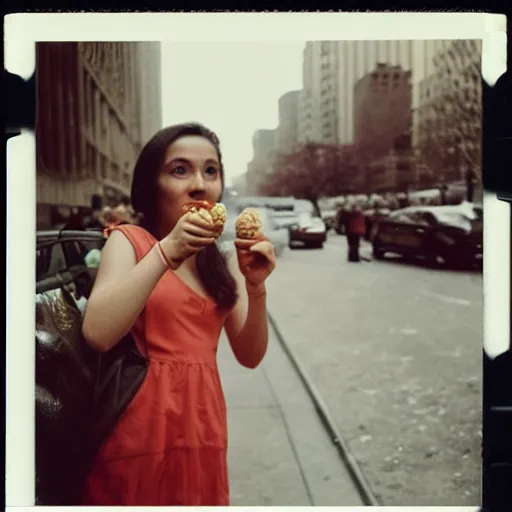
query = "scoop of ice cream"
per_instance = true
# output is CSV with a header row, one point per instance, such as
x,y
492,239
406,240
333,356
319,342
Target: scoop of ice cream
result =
x,y
248,224
219,215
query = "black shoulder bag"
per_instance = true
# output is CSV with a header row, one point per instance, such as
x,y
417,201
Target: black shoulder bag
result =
x,y
80,393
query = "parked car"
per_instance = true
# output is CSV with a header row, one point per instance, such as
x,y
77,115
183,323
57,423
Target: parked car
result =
x,y
66,254
329,218
373,216
286,218
448,234
308,228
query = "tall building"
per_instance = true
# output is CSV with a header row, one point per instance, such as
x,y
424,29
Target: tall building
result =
x,y
240,184
149,60
97,103
309,97
330,71
305,131
287,130
382,118
262,163
423,68
263,144
448,116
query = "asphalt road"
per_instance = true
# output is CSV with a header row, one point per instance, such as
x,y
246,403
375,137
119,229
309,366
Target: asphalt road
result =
x,y
395,350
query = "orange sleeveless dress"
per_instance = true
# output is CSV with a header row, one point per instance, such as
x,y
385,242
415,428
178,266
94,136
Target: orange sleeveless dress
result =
x,y
170,445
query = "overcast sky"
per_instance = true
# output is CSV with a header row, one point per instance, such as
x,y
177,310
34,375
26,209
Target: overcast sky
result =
x,y
233,88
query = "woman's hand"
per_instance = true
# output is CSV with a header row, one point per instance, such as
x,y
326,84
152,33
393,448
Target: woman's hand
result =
x,y
256,259
190,235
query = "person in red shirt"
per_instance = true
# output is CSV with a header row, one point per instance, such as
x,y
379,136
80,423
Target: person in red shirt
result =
x,y
355,228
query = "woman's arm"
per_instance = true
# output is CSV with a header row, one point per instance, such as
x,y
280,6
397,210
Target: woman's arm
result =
x,y
247,323
123,286
120,291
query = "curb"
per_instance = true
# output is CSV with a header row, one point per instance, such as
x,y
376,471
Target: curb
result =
x,y
363,487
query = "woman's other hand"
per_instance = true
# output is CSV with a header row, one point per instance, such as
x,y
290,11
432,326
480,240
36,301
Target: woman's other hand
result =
x,y
256,259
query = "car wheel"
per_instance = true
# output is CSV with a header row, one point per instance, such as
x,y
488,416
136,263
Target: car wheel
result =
x,y
378,254
433,259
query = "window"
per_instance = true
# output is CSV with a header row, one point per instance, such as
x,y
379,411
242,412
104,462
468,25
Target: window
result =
x,y
426,218
54,259
402,218
115,173
103,167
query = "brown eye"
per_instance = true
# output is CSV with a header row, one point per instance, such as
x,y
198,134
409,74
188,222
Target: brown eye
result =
x,y
211,171
179,170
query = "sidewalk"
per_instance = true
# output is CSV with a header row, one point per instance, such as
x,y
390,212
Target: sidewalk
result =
x,y
279,452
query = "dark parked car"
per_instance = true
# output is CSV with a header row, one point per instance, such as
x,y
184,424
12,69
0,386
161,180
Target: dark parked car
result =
x,y
448,234
63,253
372,217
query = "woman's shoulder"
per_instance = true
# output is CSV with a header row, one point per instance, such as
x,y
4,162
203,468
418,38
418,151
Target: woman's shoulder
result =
x,y
132,230
141,239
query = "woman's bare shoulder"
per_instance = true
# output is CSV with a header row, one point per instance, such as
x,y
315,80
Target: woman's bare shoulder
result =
x,y
118,257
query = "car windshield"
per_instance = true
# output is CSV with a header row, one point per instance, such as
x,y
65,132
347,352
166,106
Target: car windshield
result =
x,y
306,207
460,216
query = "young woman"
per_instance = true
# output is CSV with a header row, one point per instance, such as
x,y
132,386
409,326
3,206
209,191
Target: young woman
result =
x,y
169,447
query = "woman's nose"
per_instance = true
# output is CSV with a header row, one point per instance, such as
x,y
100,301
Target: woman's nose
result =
x,y
198,182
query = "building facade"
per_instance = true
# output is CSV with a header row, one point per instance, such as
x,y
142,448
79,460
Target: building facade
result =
x,y
330,71
449,115
240,184
309,97
382,119
262,164
287,130
305,129
97,103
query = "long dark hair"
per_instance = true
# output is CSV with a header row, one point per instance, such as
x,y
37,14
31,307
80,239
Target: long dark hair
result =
x,y
211,264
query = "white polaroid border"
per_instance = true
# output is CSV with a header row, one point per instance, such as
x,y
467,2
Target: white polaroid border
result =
x,y
21,33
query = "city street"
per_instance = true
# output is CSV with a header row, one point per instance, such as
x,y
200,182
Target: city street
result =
x,y
395,350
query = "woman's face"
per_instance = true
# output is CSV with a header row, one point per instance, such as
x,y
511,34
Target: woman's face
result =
x,y
191,171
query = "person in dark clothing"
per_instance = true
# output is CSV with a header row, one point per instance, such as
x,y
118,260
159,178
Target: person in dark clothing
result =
x,y
443,189
75,222
94,220
355,228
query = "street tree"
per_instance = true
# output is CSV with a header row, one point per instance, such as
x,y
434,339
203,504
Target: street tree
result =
x,y
313,171
453,145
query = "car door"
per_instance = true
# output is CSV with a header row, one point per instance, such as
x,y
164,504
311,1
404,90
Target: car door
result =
x,y
404,233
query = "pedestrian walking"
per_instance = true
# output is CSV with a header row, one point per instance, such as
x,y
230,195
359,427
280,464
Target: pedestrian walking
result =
x,y
167,282
76,221
355,228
